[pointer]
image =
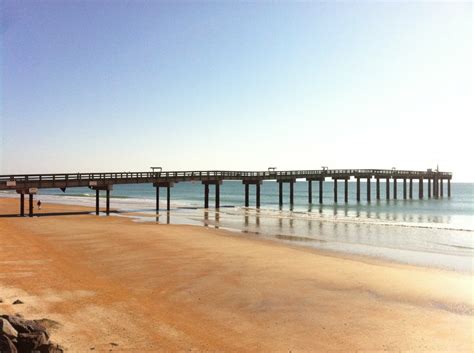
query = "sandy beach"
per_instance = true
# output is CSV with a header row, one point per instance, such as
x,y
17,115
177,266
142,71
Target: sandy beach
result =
x,y
117,285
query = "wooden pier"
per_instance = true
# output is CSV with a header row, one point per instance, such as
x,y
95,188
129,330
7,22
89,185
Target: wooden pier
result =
x,y
30,184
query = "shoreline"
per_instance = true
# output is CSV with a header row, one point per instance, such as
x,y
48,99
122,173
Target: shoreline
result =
x,y
163,288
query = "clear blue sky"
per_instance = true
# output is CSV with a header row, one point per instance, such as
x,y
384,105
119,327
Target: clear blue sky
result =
x,y
124,85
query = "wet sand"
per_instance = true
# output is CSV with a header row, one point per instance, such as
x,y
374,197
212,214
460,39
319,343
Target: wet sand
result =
x,y
162,288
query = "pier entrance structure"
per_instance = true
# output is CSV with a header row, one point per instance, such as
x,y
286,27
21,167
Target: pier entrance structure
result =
x,y
29,184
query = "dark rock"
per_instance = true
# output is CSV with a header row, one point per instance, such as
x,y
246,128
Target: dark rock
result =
x,y
7,329
6,345
28,342
18,301
51,348
26,326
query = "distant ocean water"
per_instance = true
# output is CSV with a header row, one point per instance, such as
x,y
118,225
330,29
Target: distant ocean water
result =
x,y
430,232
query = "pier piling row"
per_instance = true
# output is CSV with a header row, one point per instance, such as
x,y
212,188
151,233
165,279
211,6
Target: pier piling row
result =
x,y
29,184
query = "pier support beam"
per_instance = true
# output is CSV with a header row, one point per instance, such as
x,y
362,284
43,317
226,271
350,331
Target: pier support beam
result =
x,y
377,184
280,193
168,186
321,191
292,192
411,189
404,188
368,190
358,189
218,195
310,191
435,187
420,188
387,188
257,195
335,190
449,187
97,206
22,204
441,191
346,190
107,202
395,183
429,188
206,195
30,204
246,195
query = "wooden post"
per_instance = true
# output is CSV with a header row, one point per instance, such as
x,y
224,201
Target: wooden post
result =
x,y
420,188
158,199
358,189
310,192
335,190
346,190
107,205
246,195
368,189
97,195
378,188
206,195
449,187
404,188
292,192
218,195
395,183
429,187
441,191
257,194
411,188
387,188
168,197
280,193
31,205
22,204
320,191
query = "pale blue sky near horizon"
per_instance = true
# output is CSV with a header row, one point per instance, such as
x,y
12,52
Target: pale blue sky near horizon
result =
x,y
125,85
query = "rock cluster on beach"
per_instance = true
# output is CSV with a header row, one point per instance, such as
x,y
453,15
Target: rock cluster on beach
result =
x,y
18,335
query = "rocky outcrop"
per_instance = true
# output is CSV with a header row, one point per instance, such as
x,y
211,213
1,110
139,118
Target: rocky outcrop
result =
x,y
18,335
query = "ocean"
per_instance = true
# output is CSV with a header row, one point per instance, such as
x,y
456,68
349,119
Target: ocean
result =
x,y
428,232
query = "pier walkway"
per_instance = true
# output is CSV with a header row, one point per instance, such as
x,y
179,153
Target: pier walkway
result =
x,y
29,184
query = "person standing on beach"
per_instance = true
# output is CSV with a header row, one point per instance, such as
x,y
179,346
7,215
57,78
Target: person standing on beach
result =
x,y
39,204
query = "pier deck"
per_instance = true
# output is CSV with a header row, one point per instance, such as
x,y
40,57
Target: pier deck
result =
x,y
29,184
